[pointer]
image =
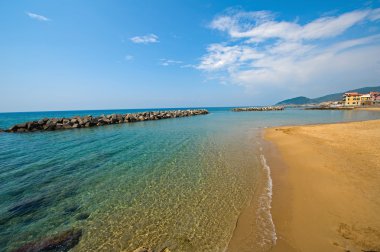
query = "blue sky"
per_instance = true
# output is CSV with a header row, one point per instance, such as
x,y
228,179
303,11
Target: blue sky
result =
x,y
66,55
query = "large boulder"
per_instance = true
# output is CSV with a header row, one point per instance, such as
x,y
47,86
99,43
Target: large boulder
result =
x,y
59,126
65,121
74,120
21,125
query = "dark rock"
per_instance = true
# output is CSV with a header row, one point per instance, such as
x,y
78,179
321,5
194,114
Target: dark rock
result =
x,y
30,125
54,120
49,127
94,121
82,216
21,125
61,242
86,119
13,128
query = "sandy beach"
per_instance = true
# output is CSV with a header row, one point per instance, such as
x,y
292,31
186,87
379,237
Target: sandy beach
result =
x,y
326,186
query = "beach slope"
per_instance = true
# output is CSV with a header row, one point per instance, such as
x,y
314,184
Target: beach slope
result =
x,y
326,182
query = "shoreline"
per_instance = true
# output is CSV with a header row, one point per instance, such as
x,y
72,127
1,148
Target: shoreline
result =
x,y
281,190
324,196
254,230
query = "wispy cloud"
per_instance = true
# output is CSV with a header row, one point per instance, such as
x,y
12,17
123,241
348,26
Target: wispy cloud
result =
x,y
263,51
37,16
150,38
168,62
259,26
128,57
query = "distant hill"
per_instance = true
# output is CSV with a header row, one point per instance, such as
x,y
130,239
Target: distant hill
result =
x,y
300,100
295,101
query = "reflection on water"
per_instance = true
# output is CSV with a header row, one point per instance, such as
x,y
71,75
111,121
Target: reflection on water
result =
x,y
178,183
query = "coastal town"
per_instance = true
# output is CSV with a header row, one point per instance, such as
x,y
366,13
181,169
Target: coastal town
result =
x,y
350,100
356,99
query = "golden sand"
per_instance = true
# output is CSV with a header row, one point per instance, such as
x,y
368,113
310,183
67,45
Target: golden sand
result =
x,y
326,185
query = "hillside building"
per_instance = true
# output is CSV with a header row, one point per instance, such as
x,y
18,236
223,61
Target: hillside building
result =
x,y
356,99
375,97
351,99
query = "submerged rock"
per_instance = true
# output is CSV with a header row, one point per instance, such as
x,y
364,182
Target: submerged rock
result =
x,y
82,216
61,242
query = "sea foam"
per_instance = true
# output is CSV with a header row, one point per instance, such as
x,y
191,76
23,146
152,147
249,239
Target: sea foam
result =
x,y
268,235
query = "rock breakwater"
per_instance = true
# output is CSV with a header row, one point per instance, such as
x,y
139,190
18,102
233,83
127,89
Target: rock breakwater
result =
x,y
269,108
49,124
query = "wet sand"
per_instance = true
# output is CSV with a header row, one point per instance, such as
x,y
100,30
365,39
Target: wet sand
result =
x,y
326,186
369,108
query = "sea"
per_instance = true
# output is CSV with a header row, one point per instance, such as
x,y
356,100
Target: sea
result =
x,y
179,183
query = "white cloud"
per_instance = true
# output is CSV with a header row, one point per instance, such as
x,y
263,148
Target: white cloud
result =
x,y
221,56
128,57
265,52
261,25
150,38
37,17
168,62
375,14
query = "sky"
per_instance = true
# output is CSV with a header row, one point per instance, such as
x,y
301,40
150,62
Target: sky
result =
x,y
116,54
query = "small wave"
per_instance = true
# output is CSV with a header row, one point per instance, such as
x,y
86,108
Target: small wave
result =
x,y
268,237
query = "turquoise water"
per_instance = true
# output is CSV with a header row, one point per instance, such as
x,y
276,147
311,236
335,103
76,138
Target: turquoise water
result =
x,y
178,183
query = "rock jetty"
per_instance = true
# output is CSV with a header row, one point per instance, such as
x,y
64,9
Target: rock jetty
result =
x,y
49,124
270,108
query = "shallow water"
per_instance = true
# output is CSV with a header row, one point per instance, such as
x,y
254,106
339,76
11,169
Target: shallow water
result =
x,y
178,183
